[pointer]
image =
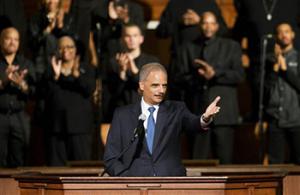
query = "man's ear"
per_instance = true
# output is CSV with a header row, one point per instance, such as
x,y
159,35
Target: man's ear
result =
x,y
141,85
218,27
142,39
293,34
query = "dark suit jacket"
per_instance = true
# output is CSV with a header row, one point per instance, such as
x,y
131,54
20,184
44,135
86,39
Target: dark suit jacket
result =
x,y
225,57
165,160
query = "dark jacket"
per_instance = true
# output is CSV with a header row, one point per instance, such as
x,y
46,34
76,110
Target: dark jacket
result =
x,y
165,160
283,90
68,102
12,99
224,55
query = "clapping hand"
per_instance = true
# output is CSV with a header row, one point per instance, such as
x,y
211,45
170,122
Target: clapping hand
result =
x,y
56,66
17,77
205,70
281,63
118,12
126,63
190,17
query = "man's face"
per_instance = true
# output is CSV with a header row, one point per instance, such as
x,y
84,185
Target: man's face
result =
x,y
209,25
154,87
285,35
132,38
67,48
10,41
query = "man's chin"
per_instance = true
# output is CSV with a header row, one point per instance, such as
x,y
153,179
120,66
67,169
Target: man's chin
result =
x,y
159,99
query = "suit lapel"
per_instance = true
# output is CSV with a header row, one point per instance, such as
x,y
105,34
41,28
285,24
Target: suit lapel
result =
x,y
136,111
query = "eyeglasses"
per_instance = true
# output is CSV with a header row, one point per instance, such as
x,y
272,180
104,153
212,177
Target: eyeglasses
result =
x,y
69,47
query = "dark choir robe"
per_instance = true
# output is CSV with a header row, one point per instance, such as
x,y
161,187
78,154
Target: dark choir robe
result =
x,y
224,55
69,116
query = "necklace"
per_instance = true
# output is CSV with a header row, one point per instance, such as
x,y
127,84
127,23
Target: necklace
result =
x,y
65,71
269,9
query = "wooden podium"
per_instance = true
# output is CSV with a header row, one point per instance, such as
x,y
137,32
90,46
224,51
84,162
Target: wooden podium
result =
x,y
39,184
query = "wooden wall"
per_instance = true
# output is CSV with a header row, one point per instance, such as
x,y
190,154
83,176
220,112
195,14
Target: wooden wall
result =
x,y
153,8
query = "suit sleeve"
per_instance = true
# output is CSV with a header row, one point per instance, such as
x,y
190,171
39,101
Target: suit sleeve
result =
x,y
190,121
113,148
120,149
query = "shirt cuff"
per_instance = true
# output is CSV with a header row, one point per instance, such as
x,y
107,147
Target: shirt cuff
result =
x,y
204,124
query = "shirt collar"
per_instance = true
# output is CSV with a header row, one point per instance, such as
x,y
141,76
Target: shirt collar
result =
x,y
145,106
15,60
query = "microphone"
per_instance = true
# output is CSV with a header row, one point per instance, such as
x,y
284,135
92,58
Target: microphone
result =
x,y
139,131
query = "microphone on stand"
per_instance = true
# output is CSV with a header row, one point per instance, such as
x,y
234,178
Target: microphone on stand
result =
x,y
139,131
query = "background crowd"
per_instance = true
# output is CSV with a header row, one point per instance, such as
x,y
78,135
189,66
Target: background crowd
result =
x,y
64,70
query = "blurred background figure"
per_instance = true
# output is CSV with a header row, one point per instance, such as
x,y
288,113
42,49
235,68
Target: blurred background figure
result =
x,y
180,21
45,27
12,15
207,67
252,27
70,85
109,16
123,68
16,84
282,99
108,19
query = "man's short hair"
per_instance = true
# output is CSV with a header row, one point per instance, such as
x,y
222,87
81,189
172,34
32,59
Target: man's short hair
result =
x,y
6,30
281,23
151,67
128,25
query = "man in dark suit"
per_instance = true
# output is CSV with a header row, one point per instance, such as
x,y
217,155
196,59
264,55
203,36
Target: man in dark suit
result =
x,y
206,67
156,152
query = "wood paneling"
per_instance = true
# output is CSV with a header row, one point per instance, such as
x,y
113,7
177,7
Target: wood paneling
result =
x,y
213,185
152,8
